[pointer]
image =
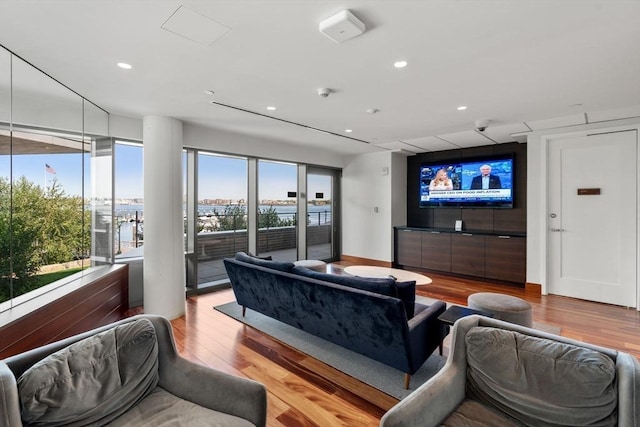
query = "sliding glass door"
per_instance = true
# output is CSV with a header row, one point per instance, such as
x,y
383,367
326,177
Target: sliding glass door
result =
x,y
235,204
222,213
277,210
322,224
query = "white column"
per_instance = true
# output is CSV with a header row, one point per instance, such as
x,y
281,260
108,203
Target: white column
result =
x,y
164,271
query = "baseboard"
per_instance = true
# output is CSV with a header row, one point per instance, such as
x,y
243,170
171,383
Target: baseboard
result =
x,y
365,261
533,288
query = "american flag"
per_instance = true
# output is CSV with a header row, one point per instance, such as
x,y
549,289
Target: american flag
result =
x,y
49,168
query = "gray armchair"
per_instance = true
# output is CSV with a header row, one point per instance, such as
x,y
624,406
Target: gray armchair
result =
x,y
503,374
125,373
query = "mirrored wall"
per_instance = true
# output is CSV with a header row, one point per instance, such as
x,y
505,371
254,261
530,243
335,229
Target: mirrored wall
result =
x,y
56,183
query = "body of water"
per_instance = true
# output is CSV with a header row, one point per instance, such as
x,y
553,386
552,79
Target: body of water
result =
x,y
317,215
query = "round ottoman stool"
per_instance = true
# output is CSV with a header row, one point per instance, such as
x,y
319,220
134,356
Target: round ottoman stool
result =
x,y
503,307
312,264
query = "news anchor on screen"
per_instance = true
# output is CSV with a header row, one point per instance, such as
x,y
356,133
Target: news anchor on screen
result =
x,y
441,181
485,180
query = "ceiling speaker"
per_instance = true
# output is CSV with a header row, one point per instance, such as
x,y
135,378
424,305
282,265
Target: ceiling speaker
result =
x,y
342,26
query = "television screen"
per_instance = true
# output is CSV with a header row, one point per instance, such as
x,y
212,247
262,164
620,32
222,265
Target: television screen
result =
x,y
480,182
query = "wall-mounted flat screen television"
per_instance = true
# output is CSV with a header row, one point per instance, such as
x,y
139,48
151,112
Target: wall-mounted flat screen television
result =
x,y
479,182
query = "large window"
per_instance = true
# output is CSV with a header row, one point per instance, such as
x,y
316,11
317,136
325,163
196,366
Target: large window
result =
x,y
222,213
129,199
277,210
320,217
55,183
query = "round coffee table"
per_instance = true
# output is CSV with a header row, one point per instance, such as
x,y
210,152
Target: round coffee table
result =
x,y
384,272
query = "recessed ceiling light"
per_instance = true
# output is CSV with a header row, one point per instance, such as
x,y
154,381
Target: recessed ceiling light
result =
x,y
271,108
124,65
400,64
208,92
348,130
462,108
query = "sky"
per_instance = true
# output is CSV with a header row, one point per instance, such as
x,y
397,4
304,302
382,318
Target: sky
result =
x,y
67,167
220,177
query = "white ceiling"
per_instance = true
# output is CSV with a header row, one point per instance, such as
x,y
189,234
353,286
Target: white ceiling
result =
x,y
523,64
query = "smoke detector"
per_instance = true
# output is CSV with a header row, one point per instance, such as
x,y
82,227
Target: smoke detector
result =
x,y
342,26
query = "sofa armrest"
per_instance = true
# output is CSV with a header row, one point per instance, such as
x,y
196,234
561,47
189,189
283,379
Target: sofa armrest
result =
x,y
425,334
205,386
431,403
9,400
430,313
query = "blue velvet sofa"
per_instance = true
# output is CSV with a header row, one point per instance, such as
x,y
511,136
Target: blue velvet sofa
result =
x,y
363,315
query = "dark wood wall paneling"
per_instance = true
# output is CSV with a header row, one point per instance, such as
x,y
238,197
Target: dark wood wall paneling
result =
x,y
477,219
98,303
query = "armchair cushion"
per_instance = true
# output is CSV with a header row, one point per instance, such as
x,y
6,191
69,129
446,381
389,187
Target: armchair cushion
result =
x,y
539,381
94,380
474,414
161,408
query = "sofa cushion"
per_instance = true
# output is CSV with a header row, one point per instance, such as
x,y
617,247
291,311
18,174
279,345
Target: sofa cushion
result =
x,y
276,265
406,291
161,408
539,381
92,381
385,286
268,257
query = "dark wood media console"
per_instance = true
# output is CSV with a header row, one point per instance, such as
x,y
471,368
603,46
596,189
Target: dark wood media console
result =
x,y
480,254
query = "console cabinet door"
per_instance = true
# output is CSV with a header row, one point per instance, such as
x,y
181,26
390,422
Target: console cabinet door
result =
x,y
467,254
436,250
506,258
409,245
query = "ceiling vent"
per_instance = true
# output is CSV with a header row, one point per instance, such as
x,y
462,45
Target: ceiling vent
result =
x,y
342,26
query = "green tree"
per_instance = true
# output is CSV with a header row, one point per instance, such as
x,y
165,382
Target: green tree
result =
x,y
37,228
234,217
269,217
65,227
20,227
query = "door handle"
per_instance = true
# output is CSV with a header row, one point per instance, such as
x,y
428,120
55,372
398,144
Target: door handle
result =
x,y
557,230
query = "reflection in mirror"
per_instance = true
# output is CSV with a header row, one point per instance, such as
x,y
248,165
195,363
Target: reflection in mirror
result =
x,y
100,169
42,102
96,120
5,215
5,90
55,183
48,220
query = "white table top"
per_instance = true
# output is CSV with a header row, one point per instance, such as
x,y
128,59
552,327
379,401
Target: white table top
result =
x,y
384,272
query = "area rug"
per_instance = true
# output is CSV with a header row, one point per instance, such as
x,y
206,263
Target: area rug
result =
x,y
369,371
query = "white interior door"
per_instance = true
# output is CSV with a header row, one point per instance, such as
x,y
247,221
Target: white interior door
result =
x,y
593,218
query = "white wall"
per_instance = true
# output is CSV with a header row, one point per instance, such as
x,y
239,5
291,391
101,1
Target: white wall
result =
x,y
537,158
224,142
370,181
125,127
246,145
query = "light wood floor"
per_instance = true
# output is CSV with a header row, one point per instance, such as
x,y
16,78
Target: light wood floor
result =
x,y
305,392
